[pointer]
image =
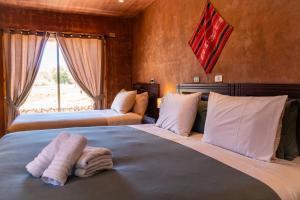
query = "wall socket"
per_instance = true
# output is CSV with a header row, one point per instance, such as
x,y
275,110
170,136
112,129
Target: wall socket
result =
x,y
196,79
218,78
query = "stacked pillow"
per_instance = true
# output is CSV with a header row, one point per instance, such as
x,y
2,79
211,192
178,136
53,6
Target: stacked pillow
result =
x,y
251,126
200,117
141,103
246,125
288,147
178,112
126,101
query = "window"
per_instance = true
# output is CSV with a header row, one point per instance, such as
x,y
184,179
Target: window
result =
x,y
54,89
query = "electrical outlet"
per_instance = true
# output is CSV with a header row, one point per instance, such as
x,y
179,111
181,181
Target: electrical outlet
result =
x,y
218,78
196,79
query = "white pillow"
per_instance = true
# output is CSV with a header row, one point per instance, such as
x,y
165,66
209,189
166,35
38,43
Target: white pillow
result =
x,y
141,103
178,112
124,101
246,125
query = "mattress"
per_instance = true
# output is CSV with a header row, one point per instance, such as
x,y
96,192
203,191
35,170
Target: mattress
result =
x,y
105,117
149,163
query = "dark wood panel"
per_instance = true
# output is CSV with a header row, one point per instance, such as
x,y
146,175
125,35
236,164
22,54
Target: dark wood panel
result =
x,y
298,131
118,66
205,89
256,89
243,89
1,93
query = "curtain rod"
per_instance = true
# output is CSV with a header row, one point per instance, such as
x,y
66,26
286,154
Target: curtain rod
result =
x,y
24,32
80,35
64,34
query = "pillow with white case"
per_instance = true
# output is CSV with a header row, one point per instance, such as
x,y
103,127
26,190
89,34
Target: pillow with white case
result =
x,y
124,101
178,112
246,125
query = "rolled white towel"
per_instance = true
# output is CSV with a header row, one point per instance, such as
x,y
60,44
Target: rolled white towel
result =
x,y
105,164
45,157
90,154
69,152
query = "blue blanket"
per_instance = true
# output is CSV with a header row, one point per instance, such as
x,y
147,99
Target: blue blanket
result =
x,y
145,167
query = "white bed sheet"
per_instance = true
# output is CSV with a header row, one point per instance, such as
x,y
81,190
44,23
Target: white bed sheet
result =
x,y
105,117
282,176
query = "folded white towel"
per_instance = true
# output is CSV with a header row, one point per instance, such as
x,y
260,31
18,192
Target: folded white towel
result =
x,y
96,161
104,165
93,160
45,157
69,152
90,154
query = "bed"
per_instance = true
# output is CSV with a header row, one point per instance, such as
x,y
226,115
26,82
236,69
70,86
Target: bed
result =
x,y
151,163
107,117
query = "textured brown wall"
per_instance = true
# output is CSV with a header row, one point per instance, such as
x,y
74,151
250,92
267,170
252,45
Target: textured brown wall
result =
x,y
119,48
264,47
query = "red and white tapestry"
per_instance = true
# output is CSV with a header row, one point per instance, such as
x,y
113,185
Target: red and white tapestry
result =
x,y
210,37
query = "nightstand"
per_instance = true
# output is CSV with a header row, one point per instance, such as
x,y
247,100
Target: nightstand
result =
x,y
148,120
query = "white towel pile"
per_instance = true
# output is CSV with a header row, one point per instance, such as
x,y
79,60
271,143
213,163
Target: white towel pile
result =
x,y
56,161
92,161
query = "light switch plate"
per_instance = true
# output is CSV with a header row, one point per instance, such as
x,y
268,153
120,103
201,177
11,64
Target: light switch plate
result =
x,y
196,79
218,78
112,35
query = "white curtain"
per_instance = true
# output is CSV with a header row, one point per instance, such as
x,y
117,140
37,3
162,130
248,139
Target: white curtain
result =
x,y
85,58
22,52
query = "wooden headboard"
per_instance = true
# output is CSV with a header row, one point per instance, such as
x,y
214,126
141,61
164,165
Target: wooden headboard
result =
x,y
223,88
246,89
243,89
153,92
256,89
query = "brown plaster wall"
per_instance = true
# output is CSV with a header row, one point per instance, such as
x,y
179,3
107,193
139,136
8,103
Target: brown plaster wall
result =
x,y
1,94
264,47
119,49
